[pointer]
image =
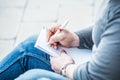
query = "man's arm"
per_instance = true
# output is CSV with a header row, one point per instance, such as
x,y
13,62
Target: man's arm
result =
x,y
105,64
85,37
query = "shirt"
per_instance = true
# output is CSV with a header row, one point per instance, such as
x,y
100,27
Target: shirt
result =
x,y
105,36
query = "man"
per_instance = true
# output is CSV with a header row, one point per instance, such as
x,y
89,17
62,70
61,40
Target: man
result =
x,y
104,65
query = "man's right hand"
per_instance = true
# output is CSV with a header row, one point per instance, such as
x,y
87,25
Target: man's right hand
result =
x,y
64,37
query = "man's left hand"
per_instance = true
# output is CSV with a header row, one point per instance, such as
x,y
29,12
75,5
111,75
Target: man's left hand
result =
x,y
57,63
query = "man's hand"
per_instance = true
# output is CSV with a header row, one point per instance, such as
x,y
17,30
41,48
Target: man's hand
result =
x,y
64,38
57,63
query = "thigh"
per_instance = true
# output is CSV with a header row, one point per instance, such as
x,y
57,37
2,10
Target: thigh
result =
x,y
33,57
38,74
24,57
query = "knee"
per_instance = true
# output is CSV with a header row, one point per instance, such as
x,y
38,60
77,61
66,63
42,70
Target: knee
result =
x,y
29,41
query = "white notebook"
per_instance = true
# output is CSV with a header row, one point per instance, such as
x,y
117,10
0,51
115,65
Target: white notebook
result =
x,y
79,55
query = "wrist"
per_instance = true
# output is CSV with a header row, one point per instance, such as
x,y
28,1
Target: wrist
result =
x,y
76,40
63,71
70,70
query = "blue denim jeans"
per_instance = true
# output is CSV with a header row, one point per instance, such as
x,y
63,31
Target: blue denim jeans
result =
x,y
40,74
23,58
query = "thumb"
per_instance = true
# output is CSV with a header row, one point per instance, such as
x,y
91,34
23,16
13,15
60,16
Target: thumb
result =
x,y
55,38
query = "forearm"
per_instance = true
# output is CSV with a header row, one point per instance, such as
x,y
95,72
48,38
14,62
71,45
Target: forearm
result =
x,y
85,38
76,40
70,70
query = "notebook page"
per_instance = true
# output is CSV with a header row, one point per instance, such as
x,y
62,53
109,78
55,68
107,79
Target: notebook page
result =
x,y
77,54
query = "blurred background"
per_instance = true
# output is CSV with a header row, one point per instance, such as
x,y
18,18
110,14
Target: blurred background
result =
x,y
21,18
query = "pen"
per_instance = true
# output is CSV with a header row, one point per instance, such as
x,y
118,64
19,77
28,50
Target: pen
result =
x,y
63,26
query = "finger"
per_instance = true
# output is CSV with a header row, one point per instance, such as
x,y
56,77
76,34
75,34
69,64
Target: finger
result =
x,y
55,46
49,34
51,59
56,38
63,52
52,31
55,28
52,46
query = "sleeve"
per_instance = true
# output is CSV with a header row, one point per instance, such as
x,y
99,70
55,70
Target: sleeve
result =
x,y
85,37
105,64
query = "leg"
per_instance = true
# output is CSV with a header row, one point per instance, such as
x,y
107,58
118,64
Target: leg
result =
x,y
38,74
24,57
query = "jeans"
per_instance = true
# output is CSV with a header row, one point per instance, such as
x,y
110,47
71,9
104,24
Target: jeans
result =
x,y
39,74
23,58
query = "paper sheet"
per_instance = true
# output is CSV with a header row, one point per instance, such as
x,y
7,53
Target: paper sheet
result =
x,y
79,55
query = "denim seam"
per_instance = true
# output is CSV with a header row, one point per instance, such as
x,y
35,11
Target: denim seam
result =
x,y
32,54
4,69
39,57
36,56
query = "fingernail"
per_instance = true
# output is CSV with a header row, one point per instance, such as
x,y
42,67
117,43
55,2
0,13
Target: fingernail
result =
x,y
56,47
63,51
